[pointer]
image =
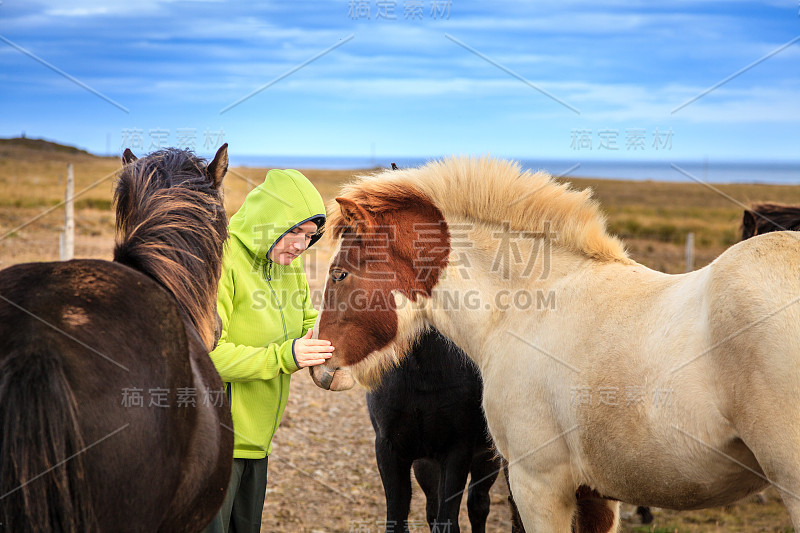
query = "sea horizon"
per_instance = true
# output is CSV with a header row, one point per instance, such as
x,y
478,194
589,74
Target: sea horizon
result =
x,y
697,170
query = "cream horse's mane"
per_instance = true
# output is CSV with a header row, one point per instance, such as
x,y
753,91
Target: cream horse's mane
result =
x,y
493,191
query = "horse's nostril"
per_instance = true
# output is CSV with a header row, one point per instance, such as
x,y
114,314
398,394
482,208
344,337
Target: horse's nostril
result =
x,y
326,379
322,376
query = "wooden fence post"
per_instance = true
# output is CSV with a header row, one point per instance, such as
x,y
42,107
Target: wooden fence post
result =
x,y
67,251
690,251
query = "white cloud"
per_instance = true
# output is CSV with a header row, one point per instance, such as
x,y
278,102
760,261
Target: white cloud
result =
x,y
90,8
78,11
630,103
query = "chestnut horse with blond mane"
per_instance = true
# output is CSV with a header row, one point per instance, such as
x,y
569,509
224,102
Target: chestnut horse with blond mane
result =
x,y
604,380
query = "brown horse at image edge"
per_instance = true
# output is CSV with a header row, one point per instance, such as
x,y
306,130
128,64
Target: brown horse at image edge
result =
x,y
77,337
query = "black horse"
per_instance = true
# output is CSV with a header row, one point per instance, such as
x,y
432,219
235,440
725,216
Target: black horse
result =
x,y
109,414
766,217
427,413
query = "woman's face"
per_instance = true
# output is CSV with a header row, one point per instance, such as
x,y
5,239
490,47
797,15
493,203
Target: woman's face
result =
x,y
293,243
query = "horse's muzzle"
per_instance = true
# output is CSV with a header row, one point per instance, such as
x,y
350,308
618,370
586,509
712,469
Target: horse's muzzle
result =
x,y
332,378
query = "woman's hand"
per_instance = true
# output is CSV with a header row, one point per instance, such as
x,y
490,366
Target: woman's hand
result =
x,y
311,352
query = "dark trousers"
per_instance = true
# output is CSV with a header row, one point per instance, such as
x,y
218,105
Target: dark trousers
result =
x,y
244,501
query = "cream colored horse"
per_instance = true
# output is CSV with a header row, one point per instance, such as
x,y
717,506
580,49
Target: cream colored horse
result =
x,y
604,380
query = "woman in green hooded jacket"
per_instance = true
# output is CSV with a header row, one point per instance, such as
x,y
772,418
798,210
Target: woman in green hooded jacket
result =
x,y
265,306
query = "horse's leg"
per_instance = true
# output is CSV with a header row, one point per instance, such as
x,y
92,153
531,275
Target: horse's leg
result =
x,y
645,514
764,410
516,519
396,477
546,501
208,459
483,473
427,473
781,464
455,469
597,515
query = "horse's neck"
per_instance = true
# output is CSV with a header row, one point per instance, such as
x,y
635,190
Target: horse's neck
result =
x,y
487,282
482,299
198,302
186,273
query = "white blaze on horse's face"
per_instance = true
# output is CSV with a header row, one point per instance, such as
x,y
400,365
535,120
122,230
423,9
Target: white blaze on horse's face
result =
x,y
388,261
329,377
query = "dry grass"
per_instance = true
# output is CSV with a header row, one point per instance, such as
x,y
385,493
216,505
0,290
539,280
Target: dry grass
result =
x,y
323,475
653,218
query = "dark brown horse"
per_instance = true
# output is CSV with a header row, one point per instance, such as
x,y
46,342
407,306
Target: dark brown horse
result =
x,y
766,217
111,417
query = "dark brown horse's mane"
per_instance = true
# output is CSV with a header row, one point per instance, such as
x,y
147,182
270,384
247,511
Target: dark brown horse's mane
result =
x,y
767,216
171,225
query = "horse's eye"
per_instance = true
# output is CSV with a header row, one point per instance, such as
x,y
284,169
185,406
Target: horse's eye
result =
x,y
338,275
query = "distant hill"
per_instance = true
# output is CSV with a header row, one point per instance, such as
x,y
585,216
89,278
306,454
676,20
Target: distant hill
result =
x,y
17,146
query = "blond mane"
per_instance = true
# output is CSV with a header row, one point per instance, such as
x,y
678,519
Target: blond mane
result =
x,y
492,191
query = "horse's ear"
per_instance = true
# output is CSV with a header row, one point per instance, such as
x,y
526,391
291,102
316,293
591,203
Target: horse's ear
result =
x,y
354,215
128,157
219,166
748,224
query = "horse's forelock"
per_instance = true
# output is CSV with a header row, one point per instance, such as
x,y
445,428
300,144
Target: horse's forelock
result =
x,y
359,206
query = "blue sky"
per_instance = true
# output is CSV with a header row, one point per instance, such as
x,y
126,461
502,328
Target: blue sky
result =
x,y
543,79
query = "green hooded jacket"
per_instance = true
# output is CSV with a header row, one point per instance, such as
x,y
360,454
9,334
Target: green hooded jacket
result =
x,y
264,306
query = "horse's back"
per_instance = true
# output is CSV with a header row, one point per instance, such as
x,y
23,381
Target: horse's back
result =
x,y
120,342
754,318
114,324
754,304
764,266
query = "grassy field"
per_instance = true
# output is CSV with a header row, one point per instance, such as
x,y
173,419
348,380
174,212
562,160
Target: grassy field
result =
x,y
323,452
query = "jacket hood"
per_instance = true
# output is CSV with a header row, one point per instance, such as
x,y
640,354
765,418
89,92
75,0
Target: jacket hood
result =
x,y
285,200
